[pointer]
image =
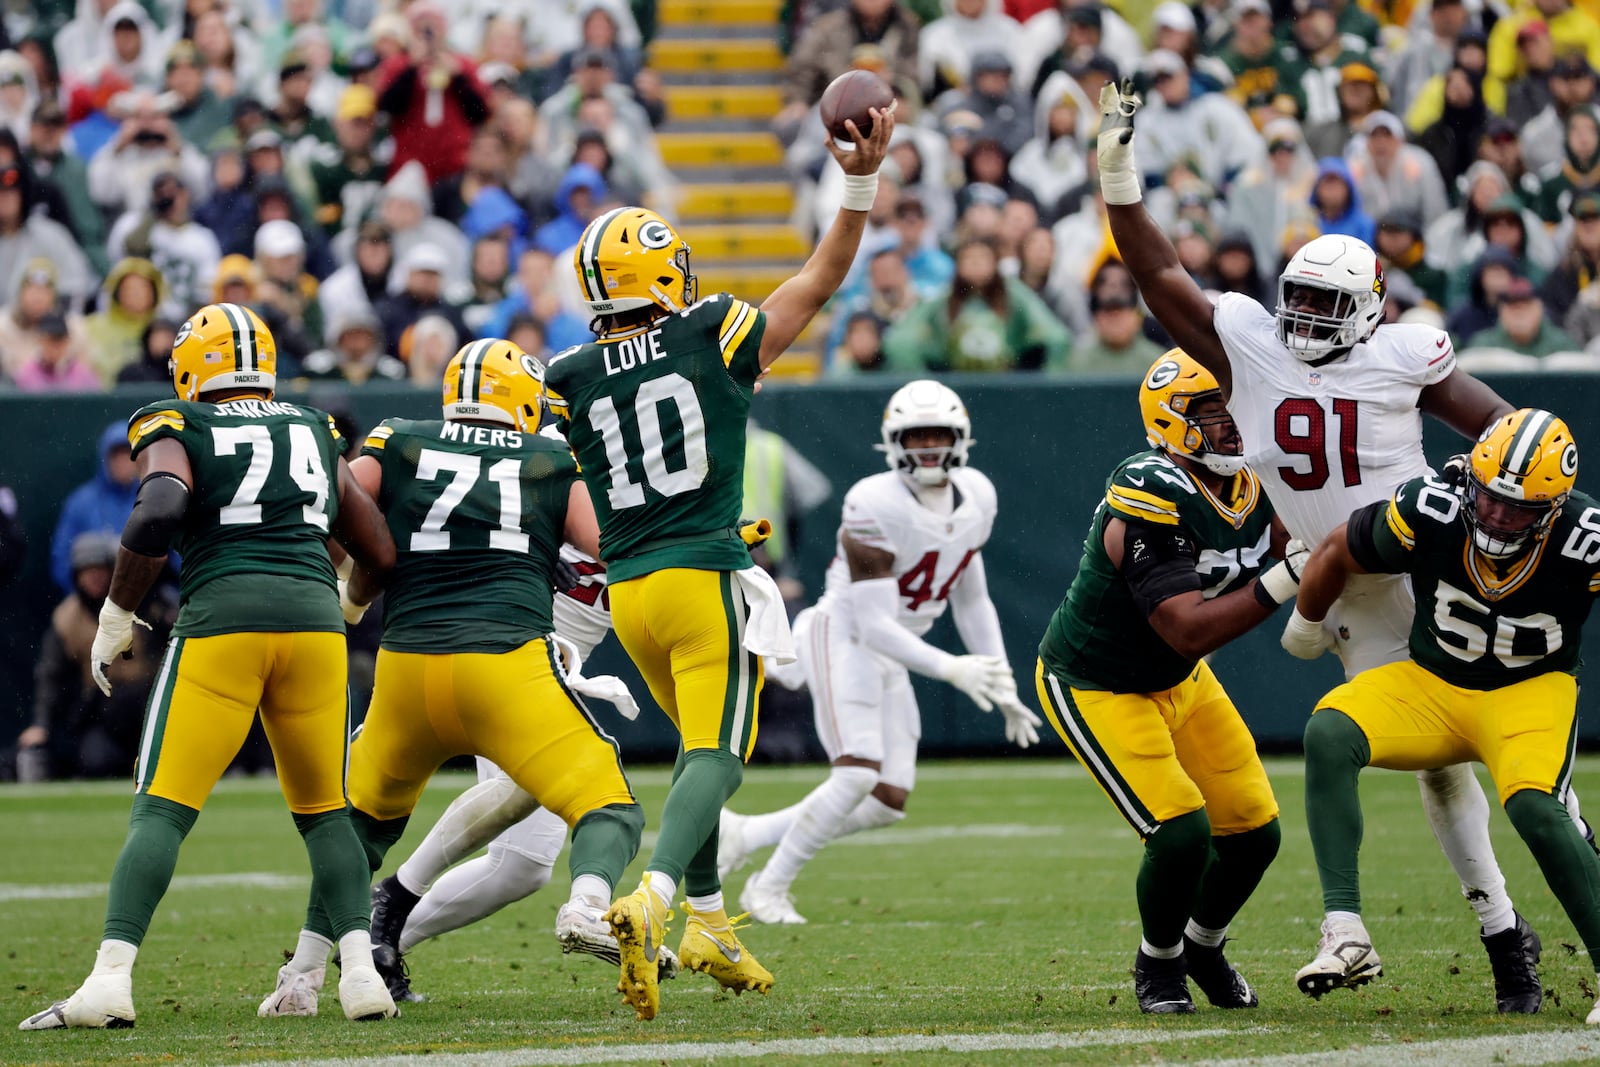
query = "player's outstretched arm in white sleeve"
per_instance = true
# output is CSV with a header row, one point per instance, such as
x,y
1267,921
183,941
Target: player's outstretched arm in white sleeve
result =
x,y
978,623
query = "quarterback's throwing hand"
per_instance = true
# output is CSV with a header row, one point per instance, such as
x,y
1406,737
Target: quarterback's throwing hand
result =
x,y
1303,638
112,638
1119,180
868,153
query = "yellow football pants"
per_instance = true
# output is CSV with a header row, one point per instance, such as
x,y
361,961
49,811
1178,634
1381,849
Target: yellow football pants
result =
x,y
512,708
1524,733
1161,755
684,630
205,698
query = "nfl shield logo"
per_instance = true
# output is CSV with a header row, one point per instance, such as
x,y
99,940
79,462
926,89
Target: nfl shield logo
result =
x,y
1315,377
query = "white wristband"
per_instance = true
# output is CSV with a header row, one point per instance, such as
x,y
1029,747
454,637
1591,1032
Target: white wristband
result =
x,y
860,190
1279,583
1120,187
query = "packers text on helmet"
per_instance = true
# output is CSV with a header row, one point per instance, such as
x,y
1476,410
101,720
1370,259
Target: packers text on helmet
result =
x,y
1167,397
223,346
496,381
630,258
1523,469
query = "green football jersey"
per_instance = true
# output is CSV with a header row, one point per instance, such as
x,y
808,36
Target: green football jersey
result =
x,y
1483,624
657,421
265,494
1098,637
477,513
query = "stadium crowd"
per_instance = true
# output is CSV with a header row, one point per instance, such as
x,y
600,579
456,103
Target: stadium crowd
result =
x,y
382,182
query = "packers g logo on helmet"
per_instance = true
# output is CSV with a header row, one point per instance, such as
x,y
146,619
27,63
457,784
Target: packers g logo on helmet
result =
x,y
1528,459
1169,391
631,258
495,381
223,346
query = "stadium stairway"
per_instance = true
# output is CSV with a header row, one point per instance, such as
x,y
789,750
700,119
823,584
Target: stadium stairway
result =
x,y
720,66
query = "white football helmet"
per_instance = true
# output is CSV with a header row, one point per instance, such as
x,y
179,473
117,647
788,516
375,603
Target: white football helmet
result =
x,y
917,405
1337,288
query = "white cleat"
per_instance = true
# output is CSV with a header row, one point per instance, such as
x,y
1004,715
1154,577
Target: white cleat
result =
x,y
732,852
364,996
583,928
104,1001
1345,959
296,993
768,906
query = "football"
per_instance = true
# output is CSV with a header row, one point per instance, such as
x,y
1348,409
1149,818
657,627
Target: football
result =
x,y
848,98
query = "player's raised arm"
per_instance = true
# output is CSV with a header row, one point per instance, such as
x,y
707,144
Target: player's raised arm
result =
x,y
1177,302
796,302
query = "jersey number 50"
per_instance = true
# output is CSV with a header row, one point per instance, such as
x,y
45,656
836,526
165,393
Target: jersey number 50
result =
x,y
673,389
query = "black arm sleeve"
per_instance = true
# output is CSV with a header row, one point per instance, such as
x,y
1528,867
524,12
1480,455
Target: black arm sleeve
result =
x,y
1157,563
473,105
1363,545
396,96
157,513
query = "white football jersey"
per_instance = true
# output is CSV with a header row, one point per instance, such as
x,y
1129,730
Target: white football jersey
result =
x,y
1328,440
582,614
931,551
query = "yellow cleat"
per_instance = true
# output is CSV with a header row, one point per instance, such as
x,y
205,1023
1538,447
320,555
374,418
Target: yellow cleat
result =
x,y
639,921
711,946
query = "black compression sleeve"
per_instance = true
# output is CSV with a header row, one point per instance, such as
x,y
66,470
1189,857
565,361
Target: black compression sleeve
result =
x,y
1157,563
1361,542
157,513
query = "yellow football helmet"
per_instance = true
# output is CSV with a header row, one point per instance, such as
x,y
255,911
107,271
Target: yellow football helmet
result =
x,y
1528,460
631,258
223,346
1171,387
496,381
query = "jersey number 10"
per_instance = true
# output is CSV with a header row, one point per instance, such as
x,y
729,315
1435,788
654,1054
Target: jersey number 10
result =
x,y
1300,428
673,389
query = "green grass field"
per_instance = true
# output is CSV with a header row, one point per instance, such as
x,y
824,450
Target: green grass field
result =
x,y
996,925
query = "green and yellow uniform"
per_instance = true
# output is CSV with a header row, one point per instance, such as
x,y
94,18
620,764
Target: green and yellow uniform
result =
x,y
1154,728
1494,644
477,512
657,419
259,622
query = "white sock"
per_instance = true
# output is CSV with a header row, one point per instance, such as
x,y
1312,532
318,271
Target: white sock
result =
x,y
762,831
473,891
663,887
1458,813
472,820
705,905
1201,936
355,950
1160,953
870,814
114,957
1345,917
311,953
590,889
821,819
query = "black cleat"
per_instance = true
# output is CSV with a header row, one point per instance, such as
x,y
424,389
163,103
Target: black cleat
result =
x,y
392,904
1514,958
395,974
1223,986
1160,986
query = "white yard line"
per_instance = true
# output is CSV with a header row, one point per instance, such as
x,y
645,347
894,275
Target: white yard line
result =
x,y
1554,1046
81,890
740,1050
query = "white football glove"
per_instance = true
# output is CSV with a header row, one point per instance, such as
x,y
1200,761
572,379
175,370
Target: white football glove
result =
x,y
1119,178
986,679
112,638
353,612
1303,638
1022,725
1281,581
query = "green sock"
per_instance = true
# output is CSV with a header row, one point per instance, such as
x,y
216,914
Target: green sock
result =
x,y
317,920
1336,750
340,879
156,829
605,841
703,781
1570,866
1175,859
1237,863
377,836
